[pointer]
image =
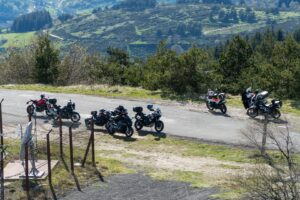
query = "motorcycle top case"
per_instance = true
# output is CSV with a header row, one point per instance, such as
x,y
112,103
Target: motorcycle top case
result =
x,y
138,109
262,95
53,101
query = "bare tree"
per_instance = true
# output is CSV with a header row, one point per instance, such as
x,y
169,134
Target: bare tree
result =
x,y
276,173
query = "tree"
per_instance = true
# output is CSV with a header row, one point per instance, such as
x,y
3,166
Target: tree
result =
x,y
32,22
235,58
46,61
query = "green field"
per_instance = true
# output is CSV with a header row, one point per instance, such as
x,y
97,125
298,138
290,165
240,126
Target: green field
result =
x,y
16,39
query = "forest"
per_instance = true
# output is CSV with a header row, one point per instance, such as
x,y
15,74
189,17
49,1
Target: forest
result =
x,y
268,60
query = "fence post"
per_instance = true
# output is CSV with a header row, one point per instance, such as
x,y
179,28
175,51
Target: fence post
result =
x,y
93,144
71,150
26,168
2,153
49,158
60,138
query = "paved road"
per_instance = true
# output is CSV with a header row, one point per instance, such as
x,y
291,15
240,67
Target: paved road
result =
x,y
178,121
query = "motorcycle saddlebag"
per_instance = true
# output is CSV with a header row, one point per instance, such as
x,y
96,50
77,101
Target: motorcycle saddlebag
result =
x,y
138,109
52,101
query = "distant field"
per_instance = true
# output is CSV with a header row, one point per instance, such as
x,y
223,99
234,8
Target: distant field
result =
x,y
16,39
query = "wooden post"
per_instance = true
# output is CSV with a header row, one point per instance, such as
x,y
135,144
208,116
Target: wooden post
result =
x,y
27,184
49,159
93,144
264,138
71,150
61,153
2,153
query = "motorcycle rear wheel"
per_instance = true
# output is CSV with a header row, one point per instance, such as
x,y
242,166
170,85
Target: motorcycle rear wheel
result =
x,y
223,109
138,125
129,132
30,109
276,114
209,106
251,112
75,117
159,126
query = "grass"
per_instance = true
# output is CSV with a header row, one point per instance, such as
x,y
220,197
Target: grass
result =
x,y
99,90
194,178
17,39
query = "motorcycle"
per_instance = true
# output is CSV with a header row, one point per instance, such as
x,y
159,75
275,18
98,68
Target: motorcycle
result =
x,y
67,112
153,119
42,105
215,100
260,106
120,122
99,119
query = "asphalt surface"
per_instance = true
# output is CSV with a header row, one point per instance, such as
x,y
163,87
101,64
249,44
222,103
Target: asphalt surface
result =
x,y
206,126
139,186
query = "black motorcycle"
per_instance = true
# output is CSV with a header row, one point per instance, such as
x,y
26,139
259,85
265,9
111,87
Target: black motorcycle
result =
x,y
120,122
260,106
67,112
99,119
215,100
153,119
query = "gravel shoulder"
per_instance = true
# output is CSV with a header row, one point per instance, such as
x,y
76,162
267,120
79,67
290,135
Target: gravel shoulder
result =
x,y
140,186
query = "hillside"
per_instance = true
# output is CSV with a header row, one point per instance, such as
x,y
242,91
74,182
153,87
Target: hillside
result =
x,y
140,31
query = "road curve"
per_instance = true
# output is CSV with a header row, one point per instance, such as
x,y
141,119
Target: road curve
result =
x,y
178,121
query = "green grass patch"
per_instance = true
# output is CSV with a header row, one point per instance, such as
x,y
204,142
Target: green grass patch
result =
x,y
16,39
99,90
194,178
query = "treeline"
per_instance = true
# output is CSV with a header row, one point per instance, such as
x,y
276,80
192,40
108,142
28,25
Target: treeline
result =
x,y
135,5
225,2
268,60
231,15
32,22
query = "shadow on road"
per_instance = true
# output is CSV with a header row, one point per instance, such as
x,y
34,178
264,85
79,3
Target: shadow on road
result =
x,y
216,113
272,120
67,124
154,134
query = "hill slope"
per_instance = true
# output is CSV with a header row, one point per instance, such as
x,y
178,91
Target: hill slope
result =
x,y
140,32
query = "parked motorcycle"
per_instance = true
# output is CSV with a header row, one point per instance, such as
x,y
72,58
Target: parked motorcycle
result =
x,y
42,105
215,100
260,106
67,112
120,122
99,119
153,119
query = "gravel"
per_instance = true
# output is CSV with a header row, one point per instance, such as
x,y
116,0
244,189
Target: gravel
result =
x,y
141,187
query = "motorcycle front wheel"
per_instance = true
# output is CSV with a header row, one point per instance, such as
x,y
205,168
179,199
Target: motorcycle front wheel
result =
x,y
209,106
251,112
109,128
138,125
159,126
75,117
30,109
223,109
129,132
276,114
